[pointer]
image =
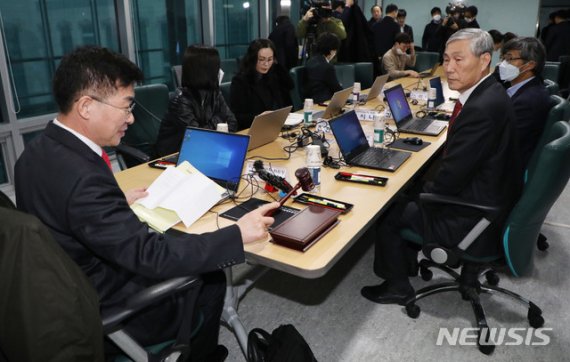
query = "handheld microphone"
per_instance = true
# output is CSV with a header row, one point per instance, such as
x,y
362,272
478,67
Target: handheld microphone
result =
x,y
305,183
272,179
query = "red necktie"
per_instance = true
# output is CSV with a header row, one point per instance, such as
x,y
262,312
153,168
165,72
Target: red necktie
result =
x,y
454,115
105,157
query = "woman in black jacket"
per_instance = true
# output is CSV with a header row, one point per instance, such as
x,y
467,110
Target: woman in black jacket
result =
x,y
261,84
198,103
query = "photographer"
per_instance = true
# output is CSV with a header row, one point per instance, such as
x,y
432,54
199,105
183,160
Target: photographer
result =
x,y
318,20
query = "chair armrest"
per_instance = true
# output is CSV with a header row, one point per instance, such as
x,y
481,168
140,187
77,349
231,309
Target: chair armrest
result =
x,y
113,317
132,152
450,200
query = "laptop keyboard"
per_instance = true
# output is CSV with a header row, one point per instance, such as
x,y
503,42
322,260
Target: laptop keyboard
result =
x,y
418,126
375,156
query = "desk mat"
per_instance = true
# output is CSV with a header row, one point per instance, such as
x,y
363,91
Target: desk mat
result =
x,y
399,144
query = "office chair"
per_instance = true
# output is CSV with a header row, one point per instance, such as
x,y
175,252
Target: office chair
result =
x,y
298,74
519,237
551,86
551,71
230,67
176,72
425,60
225,88
151,105
49,311
364,73
345,74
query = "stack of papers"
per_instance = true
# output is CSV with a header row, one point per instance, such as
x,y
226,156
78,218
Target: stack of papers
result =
x,y
180,193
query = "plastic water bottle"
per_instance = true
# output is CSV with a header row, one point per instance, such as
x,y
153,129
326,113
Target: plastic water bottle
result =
x,y
379,126
308,112
314,162
431,98
355,94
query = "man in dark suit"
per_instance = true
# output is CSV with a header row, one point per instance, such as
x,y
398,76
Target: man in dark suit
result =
x,y
321,82
404,28
64,178
385,30
557,41
522,65
479,164
432,39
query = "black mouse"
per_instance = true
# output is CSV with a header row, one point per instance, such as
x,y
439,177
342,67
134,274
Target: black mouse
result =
x,y
414,102
416,141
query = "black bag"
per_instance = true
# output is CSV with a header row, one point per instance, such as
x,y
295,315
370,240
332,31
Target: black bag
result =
x,y
285,344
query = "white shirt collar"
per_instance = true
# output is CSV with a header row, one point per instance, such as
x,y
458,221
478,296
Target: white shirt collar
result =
x,y
92,145
463,97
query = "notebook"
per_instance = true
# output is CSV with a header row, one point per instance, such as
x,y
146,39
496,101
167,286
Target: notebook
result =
x,y
335,105
402,114
440,103
376,88
218,155
431,72
355,148
266,127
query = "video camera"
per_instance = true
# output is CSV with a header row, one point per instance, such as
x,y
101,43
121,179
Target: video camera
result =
x,y
321,9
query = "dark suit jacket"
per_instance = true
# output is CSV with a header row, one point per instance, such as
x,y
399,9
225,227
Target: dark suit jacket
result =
x,y
72,191
532,104
557,41
432,39
252,94
384,33
321,82
283,36
481,165
410,31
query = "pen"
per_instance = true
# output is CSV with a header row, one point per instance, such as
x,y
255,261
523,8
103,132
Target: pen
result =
x,y
326,203
357,177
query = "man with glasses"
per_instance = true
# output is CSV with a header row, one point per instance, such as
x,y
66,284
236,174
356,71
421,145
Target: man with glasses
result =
x,y
522,65
64,179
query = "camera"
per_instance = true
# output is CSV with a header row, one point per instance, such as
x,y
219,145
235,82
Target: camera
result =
x,y
321,9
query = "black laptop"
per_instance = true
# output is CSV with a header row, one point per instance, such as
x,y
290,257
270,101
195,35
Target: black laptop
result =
x,y
403,117
355,148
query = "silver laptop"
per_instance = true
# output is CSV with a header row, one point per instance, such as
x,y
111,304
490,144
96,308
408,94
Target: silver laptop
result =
x,y
266,127
431,72
403,117
335,105
376,88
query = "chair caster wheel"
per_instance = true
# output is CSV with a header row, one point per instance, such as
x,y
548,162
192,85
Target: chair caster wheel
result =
x,y
492,278
413,311
541,243
426,274
486,348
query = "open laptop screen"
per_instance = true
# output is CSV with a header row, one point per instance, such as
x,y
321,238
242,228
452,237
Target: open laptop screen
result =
x,y
398,103
348,134
218,155
436,83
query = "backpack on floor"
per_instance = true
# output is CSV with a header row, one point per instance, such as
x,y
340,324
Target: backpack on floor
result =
x,y
284,344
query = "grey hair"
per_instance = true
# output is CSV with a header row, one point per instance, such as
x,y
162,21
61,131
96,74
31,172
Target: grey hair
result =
x,y
531,49
480,41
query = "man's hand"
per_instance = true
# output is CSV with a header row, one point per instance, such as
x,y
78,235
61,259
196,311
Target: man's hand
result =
x,y
135,194
413,74
253,225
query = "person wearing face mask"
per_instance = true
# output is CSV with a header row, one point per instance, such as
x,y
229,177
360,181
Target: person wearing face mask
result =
x,y
471,17
321,76
432,40
396,60
260,85
522,65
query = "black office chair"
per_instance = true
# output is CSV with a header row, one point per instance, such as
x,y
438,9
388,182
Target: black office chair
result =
x,y
345,74
364,73
551,87
425,60
225,89
519,237
298,74
49,311
176,73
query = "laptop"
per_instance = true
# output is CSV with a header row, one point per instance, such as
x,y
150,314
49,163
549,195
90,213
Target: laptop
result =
x,y
403,117
218,155
376,88
266,127
335,105
440,103
355,148
431,72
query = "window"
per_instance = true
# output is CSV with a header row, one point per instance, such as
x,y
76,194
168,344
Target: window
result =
x,y
236,25
163,30
38,33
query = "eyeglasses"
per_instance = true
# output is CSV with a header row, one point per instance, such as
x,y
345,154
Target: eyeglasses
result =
x,y
128,110
510,59
266,61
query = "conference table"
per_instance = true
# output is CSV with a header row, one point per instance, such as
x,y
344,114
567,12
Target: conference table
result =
x,y
369,202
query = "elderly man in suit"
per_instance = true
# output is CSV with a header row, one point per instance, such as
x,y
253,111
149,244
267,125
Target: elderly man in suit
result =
x,y
522,65
64,178
479,164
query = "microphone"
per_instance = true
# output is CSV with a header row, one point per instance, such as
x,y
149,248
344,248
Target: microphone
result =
x,y
272,179
305,183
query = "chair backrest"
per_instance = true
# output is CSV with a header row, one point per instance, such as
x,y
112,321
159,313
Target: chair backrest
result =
x,y
225,88
152,103
364,73
425,60
345,74
551,71
540,193
49,311
230,67
551,86
297,95
559,107
176,72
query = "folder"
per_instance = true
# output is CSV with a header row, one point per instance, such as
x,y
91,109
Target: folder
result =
x,y
304,229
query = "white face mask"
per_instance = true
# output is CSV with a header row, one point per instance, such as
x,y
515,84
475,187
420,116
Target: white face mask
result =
x,y
468,20
507,71
399,51
437,18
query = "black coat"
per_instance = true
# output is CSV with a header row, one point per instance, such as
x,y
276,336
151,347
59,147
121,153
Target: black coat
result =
x,y
283,36
321,82
557,41
532,104
252,94
481,165
359,43
204,110
409,30
432,39
384,34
